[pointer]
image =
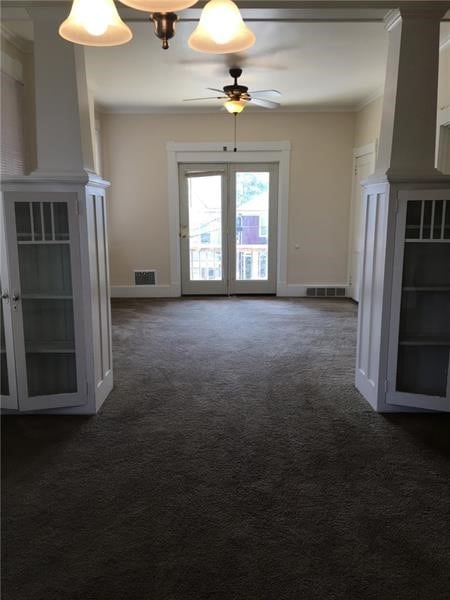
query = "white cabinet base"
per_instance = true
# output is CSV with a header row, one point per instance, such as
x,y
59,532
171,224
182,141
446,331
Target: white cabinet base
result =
x,y
382,289
55,287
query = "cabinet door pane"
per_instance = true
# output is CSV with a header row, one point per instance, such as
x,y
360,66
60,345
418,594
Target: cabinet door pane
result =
x,y
4,363
47,301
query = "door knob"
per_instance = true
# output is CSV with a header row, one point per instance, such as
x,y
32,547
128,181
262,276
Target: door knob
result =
x,y
15,297
5,295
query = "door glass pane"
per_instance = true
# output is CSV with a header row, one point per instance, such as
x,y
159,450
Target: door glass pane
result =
x,y
46,298
4,363
205,228
252,226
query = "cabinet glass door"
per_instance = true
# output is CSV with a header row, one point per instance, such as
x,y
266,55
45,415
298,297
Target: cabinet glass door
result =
x,y
423,348
45,303
8,392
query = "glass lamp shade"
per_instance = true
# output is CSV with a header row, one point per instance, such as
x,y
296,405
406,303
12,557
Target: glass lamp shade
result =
x,y
235,106
95,23
159,6
221,29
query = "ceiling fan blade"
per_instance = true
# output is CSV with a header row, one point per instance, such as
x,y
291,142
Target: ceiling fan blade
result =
x,y
206,98
264,103
267,92
215,90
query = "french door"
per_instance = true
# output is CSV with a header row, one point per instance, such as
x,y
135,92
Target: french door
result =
x,y
228,228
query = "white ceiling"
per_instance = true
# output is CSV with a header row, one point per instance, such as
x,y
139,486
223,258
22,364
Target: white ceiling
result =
x,y
312,64
316,65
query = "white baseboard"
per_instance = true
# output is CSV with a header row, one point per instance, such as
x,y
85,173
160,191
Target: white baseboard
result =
x,y
145,291
299,290
173,291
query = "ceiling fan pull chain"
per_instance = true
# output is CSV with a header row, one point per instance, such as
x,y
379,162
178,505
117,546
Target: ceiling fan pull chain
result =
x,y
235,132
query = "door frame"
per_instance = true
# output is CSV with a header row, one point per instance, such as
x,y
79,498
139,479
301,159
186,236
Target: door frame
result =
x,y
216,152
367,150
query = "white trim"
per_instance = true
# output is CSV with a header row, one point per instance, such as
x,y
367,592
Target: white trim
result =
x,y
444,43
378,93
292,290
219,147
25,46
443,140
145,291
172,291
444,116
370,148
192,152
392,19
202,110
11,66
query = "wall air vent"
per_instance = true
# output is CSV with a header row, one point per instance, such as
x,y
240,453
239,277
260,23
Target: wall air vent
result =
x,y
145,277
328,292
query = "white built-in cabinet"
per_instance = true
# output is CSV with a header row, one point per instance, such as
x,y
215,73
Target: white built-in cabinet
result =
x,y
56,319
403,356
419,350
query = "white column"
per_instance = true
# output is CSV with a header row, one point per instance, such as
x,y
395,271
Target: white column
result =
x,y
63,130
405,161
408,127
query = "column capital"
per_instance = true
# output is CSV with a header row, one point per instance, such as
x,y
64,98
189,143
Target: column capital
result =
x,y
392,18
425,11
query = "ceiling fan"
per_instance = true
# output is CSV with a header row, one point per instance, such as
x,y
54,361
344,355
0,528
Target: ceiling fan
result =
x,y
239,93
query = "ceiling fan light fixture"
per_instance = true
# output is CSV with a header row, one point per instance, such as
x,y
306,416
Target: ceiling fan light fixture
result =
x,y
221,29
235,107
159,6
95,23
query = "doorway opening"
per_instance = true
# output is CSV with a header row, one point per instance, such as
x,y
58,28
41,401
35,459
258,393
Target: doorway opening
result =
x,y
228,228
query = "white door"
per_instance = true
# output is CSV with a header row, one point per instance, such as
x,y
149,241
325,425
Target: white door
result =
x,y
228,228
45,299
364,166
8,391
203,229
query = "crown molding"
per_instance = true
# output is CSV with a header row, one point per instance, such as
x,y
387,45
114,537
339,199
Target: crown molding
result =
x,y
378,93
143,110
276,9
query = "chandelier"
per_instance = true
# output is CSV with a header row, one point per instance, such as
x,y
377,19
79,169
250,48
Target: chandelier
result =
x,y
221,29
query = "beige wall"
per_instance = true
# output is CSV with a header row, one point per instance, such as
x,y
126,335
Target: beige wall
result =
x,y
367,123
368,119
134,155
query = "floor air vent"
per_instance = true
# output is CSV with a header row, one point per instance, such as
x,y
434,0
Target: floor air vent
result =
x,y
145,277
329,292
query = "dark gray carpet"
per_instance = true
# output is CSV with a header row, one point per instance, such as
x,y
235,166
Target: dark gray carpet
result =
x,y
233,461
